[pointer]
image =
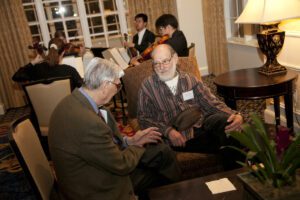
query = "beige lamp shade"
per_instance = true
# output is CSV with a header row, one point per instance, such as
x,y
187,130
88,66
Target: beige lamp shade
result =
x,y
269,11
290,25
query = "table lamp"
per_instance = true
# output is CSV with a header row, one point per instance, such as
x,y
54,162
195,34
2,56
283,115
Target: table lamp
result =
x,y
269,13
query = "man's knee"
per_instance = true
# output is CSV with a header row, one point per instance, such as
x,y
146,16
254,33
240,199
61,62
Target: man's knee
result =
x,y
215,121
157,154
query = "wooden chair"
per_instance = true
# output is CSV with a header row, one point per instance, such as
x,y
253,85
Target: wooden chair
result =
x,y
191,49
43,96
192,164
28,150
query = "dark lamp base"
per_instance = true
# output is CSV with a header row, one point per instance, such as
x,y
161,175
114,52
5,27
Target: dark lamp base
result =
x,y
274,70
270,42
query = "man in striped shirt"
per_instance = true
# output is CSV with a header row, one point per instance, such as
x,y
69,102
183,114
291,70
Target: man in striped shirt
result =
x,y
168,92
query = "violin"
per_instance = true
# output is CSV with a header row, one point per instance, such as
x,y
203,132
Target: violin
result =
x,y
145,55
72,49
39,49
132,52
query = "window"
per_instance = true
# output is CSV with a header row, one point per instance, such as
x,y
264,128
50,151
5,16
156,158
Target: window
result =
x,y
233,9
31,15
103,20
94,22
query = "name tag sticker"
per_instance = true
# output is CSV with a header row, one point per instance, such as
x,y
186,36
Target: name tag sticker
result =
x,y
188,95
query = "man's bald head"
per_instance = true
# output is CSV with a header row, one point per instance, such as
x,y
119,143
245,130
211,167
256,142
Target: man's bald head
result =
x,y
162,48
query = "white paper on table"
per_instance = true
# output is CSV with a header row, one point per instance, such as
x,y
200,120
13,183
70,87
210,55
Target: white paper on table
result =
x,y
75,62
219,186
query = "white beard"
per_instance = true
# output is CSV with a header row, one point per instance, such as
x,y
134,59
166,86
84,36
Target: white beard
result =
x,y
169,75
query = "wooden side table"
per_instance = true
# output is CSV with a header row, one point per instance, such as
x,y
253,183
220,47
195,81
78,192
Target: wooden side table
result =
x,y
249,84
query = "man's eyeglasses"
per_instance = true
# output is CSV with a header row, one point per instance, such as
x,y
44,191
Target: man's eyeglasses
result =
x,y
118,85
163,62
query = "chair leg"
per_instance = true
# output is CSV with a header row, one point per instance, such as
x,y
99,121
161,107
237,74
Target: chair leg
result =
x,y
115,103
123,108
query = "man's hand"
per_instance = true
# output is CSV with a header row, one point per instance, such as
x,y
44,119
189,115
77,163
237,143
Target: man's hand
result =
x,y
128,44
176,138
235,121
37,59
142,137
134,61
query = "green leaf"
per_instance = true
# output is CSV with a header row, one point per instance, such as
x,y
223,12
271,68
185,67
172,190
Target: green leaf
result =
x,y
235,148
243,139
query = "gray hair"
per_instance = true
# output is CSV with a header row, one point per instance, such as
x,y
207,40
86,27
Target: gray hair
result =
x,y
100,70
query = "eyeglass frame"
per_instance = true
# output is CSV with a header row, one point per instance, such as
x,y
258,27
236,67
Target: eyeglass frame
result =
x,y
164,62
118,85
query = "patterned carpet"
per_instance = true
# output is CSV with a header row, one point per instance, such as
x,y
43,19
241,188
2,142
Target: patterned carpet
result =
x,y
13,184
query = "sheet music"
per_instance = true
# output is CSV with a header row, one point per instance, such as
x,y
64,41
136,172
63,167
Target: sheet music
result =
x,y
124,54
118,58
75,62
114,54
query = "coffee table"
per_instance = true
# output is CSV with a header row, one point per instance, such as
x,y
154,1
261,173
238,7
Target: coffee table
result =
x,y
197,189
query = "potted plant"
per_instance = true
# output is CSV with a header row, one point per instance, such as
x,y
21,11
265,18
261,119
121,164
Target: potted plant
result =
x,y
272,164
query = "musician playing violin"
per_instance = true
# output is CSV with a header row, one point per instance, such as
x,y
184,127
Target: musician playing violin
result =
x,y
50,67
167,24
70,48
143,38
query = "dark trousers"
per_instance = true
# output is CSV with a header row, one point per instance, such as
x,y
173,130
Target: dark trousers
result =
x,y
158,166
210,137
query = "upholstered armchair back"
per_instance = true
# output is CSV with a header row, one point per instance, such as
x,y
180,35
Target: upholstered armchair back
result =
x,y
134,77
26,145
44,95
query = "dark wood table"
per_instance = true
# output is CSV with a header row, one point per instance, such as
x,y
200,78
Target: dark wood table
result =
x,y
249,84
197,189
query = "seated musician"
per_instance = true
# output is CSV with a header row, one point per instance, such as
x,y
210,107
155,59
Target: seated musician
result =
x,y
39,69
167,24
70,48
188,115
143,38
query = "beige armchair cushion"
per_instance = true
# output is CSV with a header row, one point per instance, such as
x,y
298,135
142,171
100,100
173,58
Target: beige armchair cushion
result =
x,y
44,97
28,149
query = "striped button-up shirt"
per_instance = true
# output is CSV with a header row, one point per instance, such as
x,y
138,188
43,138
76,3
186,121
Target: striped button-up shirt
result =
x,y
157,105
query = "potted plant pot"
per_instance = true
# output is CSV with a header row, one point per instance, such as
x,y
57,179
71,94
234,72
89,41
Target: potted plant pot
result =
x,y
256,190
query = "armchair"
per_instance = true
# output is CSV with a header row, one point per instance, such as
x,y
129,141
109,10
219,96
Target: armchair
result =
x,y
25,143
43,96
